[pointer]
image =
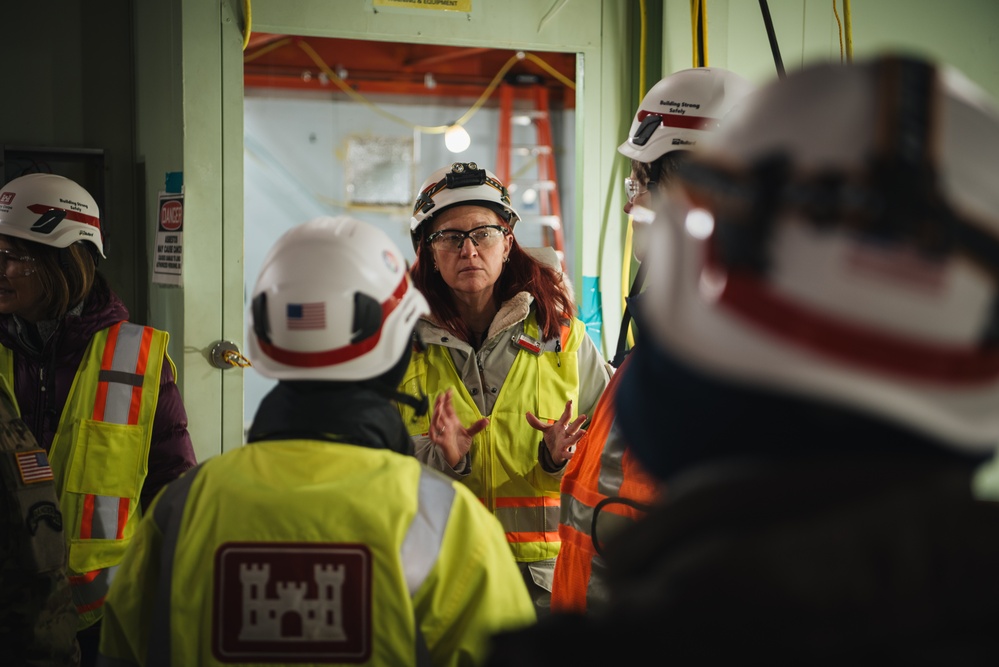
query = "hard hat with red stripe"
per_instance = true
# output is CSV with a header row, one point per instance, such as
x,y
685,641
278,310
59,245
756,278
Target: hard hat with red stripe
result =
x,y
50,209
839,238
333,301
681,110
460,183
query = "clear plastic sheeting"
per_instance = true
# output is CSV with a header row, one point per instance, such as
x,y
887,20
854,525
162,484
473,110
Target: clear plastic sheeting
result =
x,y
378,171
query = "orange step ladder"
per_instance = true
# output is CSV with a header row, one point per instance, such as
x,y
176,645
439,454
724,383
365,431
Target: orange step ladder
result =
x,y
541,157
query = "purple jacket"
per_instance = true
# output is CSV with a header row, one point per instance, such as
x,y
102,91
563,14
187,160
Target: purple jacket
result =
x,y
42,382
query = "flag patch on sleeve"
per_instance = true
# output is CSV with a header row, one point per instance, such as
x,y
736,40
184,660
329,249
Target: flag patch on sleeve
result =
x,y
34,466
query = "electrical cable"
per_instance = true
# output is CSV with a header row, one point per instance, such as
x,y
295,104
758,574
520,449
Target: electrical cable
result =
x,y
848,24
765,9
840,27
642,45
699,28
844,26
426,129
247,29
629,236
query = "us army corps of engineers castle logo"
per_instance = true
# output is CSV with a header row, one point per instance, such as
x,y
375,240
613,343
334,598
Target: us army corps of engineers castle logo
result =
x,y
292,602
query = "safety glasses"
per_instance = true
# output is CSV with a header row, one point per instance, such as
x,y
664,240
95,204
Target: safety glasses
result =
x,y
453,240
13,265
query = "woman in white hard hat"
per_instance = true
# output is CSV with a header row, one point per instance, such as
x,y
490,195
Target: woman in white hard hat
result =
x,y
503,357
97,391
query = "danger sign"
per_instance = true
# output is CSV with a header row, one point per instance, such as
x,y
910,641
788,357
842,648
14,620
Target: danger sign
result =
x,y
171,215
168,261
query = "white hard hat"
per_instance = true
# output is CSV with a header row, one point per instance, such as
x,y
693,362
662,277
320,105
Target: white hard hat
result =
x,y
333,301
839,238
461,183
681,110
51,210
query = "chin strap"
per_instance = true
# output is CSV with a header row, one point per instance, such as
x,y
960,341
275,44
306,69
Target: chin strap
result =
x,y
420,405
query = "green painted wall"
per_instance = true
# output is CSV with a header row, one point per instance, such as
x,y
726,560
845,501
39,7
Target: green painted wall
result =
x,y
963,33
159,86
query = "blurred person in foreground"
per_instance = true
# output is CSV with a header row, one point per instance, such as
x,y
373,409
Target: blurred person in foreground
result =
x,y
604,487
817,383
98,392
322,540
504,358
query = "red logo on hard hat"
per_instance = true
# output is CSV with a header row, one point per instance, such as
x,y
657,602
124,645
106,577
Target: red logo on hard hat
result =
x,y
172,215
6,198
390,261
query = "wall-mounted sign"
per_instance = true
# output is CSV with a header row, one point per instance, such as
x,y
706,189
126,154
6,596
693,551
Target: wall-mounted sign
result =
x,y
440,5
169,256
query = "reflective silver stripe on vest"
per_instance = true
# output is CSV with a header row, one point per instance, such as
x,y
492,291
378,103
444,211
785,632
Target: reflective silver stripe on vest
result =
x,y
167,514
611,463
527,519
422,545
86,595
576,514
122,377
104,524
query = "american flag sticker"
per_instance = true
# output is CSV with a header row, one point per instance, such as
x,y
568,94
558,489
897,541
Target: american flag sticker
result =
x,y
34,466
307,316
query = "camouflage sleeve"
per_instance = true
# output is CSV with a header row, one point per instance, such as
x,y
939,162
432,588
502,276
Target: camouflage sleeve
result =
x,y
37,616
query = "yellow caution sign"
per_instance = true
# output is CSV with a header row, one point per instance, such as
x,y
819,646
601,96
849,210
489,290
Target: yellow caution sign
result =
x,y
440,5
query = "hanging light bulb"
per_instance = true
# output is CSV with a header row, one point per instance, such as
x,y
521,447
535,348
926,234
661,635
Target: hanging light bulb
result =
x,y
456,139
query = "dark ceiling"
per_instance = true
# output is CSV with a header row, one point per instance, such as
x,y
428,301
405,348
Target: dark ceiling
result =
x,y
395,68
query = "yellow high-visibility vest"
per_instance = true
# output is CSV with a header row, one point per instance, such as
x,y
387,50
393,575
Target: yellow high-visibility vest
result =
x,y
313,552
506,474
100,453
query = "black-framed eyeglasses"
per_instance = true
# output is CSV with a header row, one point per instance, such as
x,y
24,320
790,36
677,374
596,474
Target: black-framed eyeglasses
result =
x,y
13,265
453,240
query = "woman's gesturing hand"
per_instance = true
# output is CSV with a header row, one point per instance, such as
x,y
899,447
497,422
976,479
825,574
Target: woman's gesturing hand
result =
x,y
447,432
560,437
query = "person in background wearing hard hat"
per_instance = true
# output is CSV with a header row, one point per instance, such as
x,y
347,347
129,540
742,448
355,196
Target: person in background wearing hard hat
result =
x,y
504,358
817,383
604,488
97,392
323,540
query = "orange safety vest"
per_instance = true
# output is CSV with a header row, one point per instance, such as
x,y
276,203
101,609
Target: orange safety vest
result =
x,y
603,467
100,453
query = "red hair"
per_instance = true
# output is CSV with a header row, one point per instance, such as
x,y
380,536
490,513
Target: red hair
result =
x,y
522,273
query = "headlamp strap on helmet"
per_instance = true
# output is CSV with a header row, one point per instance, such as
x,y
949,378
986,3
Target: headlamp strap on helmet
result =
x,y
462,175
465,174
743,234
902,170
